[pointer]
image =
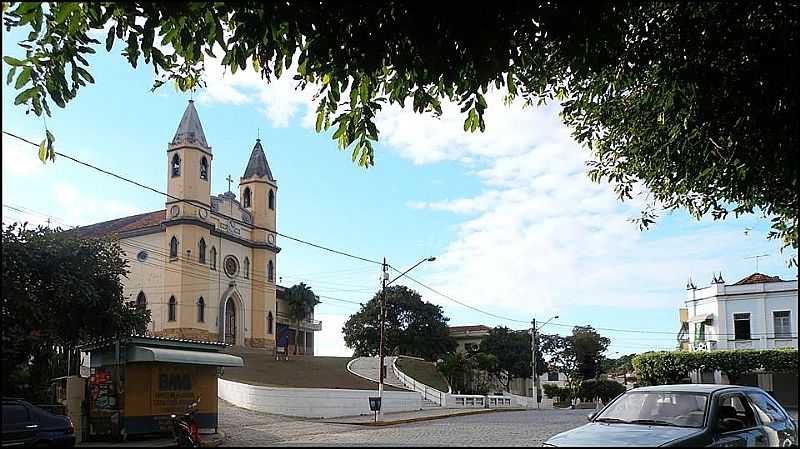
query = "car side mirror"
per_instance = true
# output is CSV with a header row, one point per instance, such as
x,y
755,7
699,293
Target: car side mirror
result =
x,y
591,416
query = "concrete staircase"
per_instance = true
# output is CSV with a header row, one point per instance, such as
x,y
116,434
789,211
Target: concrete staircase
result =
x,y
367,367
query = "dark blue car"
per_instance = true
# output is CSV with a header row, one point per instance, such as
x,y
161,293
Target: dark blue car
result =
x,y
686,415
24,424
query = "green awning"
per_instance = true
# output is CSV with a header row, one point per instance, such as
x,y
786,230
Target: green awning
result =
x,y
165,355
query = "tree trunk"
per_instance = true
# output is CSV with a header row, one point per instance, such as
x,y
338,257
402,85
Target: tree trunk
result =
x,y
296,342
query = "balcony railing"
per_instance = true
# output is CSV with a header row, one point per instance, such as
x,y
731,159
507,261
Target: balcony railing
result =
x,y
307,324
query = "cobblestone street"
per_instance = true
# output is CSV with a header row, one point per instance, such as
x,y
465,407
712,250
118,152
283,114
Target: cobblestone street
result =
x,y
522,428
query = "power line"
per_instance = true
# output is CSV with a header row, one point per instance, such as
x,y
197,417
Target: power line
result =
x,y
236,220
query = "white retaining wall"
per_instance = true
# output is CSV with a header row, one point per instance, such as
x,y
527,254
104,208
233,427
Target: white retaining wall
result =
x,y
313,402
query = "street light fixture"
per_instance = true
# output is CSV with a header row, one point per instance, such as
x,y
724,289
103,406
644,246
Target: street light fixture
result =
x,y
384,278
535,376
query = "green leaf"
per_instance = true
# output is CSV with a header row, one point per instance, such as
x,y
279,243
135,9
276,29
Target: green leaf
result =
x,y
50,138
12,61
320,116
10,76
23,78
43,151
110,38
85,74
24,96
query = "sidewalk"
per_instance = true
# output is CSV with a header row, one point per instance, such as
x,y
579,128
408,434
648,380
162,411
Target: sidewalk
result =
x,y
207,440
407,417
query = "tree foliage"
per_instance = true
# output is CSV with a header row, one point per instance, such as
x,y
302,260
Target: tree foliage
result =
x,y
59,291
660,368
604,389
413,327
301,301
696,101
589,347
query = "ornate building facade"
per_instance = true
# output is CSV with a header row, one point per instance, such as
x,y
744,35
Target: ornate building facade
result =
x,y
205,266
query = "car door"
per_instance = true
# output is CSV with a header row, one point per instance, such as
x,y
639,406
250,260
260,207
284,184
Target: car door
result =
x,y
775,421
748,432
18,426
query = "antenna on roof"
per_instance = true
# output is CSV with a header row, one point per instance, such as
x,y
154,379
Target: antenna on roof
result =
x,y
756,258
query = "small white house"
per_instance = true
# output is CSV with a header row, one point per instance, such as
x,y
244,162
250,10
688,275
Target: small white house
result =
x,y
757,312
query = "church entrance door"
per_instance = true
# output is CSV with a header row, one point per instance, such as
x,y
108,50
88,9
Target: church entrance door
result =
x,y
230,322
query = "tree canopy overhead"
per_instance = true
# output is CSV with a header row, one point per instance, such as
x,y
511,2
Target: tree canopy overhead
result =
x,y
696,101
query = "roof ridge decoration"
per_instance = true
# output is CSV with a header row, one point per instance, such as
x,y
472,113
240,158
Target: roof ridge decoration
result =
x,y
190,130
257,166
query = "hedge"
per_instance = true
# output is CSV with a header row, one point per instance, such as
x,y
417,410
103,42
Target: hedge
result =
x,y
659,368
604,389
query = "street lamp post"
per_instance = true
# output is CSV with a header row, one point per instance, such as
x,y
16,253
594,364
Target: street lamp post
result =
x,y
384,278
534,375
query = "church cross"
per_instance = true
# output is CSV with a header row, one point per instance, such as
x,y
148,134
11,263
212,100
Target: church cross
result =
x,y
230,180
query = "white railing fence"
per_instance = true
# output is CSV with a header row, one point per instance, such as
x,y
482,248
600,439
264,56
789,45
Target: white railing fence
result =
x,y
427,392
479,401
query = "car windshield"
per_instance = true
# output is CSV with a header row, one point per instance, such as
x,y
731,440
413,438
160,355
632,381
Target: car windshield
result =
x,y
657,408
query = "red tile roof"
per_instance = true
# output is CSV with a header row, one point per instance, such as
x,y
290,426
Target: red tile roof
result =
x,y
121,225
758,278
477,328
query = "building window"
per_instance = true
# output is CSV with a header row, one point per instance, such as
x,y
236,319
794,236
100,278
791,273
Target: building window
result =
x,y
699,332
246,197
201,251
552,377
213,258
231,266
172,311
176,165
741,326
173,247
141,301
142,256
246,268
269,323
201,310
271,199
783,323
270,271
204,168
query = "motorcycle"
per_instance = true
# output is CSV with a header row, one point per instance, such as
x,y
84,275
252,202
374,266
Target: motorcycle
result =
x,y
185,427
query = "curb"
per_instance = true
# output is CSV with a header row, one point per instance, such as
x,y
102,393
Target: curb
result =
x,y
411,420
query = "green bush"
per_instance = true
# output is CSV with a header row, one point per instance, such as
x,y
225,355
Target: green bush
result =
x,y
659,368
604,389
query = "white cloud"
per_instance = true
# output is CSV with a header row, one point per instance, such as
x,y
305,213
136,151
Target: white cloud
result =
x,y
77,208
329,342
543,238
21,159
278,100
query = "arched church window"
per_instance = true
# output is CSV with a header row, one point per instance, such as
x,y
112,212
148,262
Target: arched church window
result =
x,y
172,310
176,165
204,168
271,199
246,198
271,271
213,258
141,300
173,247
201,251
201,310
269,323
246,267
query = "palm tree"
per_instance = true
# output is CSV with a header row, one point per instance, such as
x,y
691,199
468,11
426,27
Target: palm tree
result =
x,y
301,301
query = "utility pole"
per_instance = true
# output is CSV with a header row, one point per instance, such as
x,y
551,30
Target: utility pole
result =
x,y
533,363
384,278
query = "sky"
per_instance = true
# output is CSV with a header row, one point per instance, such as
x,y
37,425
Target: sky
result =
x,y
517,228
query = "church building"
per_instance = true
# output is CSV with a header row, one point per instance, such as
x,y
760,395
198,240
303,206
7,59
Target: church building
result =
x,y
205,266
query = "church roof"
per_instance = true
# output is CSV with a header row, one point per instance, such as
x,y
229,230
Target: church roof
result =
x,y
758,278
121,225
257,166
190,130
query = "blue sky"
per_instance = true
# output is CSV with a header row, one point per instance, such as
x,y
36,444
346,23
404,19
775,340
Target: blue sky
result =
x,y
515,224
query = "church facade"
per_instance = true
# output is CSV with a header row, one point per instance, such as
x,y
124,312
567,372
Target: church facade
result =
x,y
205,266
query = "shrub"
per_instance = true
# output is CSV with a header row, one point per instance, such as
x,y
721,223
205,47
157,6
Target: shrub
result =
x,y
658,368
604,389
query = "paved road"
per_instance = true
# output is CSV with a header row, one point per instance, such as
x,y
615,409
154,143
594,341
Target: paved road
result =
x,y
528,428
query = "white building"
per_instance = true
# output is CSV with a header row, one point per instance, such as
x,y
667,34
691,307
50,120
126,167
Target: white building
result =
x,y
758,312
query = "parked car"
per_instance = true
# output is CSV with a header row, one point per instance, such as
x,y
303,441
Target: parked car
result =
x,y
686,415
25,424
